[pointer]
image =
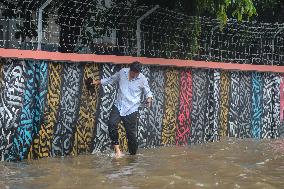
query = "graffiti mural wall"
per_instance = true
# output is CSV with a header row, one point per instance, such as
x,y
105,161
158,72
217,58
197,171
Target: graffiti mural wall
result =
x,y
46,109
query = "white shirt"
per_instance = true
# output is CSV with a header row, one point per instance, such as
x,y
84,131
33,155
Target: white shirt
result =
x,y
129,91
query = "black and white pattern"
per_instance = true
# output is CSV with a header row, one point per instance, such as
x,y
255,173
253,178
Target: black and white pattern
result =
x,y
143,114
209,118
199,105
217,87
245,107
108,95
156,112
267,116
11,102
233,127
276,105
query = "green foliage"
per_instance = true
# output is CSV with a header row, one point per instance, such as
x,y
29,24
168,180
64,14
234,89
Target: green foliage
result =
x,y
223,9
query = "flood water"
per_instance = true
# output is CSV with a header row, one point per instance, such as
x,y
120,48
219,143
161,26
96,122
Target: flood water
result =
x,y
230,163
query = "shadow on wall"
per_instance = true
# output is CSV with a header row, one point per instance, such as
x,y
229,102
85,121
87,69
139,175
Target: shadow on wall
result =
x,y
46,109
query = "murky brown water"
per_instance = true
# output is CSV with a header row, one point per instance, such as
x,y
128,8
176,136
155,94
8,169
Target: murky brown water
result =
x,y
227,164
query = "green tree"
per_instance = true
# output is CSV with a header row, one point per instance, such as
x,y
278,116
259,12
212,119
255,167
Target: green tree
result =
x,y
222,9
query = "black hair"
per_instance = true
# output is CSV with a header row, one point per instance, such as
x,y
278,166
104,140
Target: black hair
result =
x,y
135,67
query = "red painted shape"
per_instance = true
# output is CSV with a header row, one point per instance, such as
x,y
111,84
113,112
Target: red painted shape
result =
x,y
281,97
185,107
73,57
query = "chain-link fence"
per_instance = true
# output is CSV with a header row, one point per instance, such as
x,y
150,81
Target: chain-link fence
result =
x,y
84,27
247,42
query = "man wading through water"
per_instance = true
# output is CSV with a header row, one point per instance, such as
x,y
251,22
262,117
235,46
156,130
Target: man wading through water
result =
x,y
131,84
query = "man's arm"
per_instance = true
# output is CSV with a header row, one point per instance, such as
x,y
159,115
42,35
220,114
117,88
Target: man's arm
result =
x,y
110,80
147,93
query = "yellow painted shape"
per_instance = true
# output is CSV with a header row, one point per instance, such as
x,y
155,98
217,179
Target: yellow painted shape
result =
x,y
225,89
172,85
123,145
86,121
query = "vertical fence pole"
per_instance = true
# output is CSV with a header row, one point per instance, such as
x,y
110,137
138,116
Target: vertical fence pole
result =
x,y
211,41
39,24
138,30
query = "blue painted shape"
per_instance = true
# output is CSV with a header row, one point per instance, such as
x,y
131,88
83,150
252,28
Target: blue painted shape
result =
x,y
42,82
257,109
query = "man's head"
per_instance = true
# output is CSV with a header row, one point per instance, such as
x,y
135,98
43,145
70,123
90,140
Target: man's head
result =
x,y
135,69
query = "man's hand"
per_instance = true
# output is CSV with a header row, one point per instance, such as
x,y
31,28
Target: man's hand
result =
x,y
90,84
96,82
149,102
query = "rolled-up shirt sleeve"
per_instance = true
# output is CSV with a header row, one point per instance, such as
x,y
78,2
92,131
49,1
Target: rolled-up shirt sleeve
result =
x,y
146,89
110,80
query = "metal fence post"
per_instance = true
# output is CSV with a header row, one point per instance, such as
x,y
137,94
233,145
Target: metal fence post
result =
x,y
211,41
138,30
39,24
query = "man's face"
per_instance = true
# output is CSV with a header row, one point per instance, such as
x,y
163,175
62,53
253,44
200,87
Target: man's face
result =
x,y
133,74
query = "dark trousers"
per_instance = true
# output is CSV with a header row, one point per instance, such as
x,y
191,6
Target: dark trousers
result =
x,y
130,125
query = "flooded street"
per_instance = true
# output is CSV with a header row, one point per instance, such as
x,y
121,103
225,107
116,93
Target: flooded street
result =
x,y
231,163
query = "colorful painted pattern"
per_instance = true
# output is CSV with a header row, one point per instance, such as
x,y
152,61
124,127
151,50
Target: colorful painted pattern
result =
x,y
11,104
185,106
41,80
87,114
23,135
171,107
50,114
46,109
122,138
224,114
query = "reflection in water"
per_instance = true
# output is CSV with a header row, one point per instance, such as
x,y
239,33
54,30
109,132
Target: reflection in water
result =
x,y
231,163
